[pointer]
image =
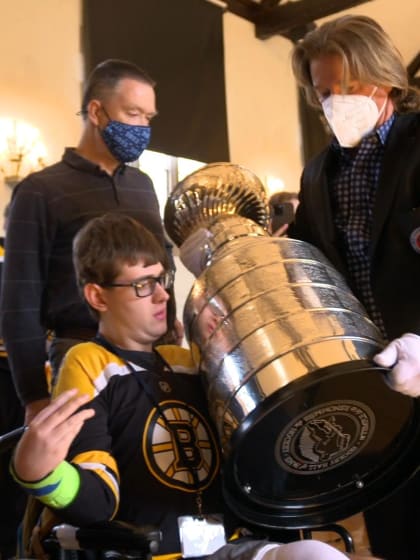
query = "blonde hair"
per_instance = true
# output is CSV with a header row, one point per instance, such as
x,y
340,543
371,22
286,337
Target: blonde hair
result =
x,y
367,53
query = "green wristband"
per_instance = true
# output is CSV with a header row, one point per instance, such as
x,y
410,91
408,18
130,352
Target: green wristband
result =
x,y
58,489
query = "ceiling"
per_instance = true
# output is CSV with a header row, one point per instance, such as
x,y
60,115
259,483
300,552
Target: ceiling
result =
x,y
294,18
291,18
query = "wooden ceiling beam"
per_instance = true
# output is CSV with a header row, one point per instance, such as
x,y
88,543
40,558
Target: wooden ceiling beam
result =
x,y
291,19
246,9
269,3
293,15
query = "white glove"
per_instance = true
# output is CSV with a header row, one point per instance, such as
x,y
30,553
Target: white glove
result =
x,y
300,550
403,355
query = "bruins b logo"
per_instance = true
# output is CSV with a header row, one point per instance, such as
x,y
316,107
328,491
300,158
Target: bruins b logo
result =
x,y
179,445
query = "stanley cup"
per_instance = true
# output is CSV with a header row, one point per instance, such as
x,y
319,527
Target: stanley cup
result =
x,y
310,431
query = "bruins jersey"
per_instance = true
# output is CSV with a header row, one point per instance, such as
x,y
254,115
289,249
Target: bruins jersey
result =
x,y
147,451
89,366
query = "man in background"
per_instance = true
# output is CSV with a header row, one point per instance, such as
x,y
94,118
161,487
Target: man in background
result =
x,y
50,206
283,206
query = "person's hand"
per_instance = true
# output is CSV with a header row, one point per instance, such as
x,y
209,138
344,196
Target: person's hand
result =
x,y
32,409
280,232
403,356
46,442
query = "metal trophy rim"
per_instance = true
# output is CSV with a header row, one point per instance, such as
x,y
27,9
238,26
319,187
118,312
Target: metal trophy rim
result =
x,y
338,503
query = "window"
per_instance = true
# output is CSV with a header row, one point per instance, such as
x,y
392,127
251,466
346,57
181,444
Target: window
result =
x,y
166,171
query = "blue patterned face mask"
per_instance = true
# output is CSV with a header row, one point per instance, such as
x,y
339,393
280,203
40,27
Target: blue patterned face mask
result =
x,y
126,142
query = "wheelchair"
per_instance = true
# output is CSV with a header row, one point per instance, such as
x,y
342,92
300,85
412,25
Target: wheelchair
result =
x,y
283,499
121,541
112,540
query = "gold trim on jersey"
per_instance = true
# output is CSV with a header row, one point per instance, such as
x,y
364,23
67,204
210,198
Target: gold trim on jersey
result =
x,y
89,367
179,358
105,467
172,556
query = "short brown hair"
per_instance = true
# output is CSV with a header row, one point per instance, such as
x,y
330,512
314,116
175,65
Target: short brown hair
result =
x,y
105,77
106,243
367,53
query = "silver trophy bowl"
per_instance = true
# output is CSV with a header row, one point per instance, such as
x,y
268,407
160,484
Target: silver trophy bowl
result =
x,y
310,431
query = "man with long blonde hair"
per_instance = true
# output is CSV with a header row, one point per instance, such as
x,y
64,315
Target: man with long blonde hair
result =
x,y
360,204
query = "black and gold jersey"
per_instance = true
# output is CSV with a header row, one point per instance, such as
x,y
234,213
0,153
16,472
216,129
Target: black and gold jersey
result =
x,y
147,451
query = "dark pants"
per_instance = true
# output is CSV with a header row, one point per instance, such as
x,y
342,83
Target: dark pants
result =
x,y
13,498
393,525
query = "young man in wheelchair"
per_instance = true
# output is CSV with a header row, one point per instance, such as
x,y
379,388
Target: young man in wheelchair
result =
x,y
144,450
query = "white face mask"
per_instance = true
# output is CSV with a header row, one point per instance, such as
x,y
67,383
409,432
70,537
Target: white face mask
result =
x,y
351,117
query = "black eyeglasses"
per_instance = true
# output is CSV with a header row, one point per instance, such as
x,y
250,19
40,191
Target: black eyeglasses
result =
x,y
146,286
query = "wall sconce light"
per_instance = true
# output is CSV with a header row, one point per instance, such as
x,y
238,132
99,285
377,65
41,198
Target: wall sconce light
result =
x,y
21,150
273,184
